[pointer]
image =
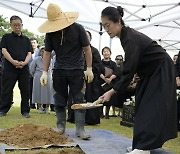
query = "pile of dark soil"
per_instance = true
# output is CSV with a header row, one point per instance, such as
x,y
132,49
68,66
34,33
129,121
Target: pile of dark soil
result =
x,y
29,136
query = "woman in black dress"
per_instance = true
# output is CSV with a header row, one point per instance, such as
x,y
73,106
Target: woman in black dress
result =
x,y
155,109
107,79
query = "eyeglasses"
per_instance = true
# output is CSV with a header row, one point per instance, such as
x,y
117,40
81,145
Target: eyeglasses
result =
x,y
16,25
119,59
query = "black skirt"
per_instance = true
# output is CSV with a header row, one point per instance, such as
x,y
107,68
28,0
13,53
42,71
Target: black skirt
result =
x,y
156,108
92,94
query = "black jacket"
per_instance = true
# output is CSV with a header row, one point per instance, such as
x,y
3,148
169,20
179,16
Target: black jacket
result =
x,y
142,56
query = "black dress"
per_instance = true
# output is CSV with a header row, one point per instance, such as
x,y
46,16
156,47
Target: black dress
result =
x,y
127,94
155,109
92,89
177,68
112,65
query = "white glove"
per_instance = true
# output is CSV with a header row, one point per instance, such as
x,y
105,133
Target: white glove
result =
x,y
43,78
89,74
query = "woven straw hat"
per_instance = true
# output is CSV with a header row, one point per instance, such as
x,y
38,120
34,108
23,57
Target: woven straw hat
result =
x,y
57,19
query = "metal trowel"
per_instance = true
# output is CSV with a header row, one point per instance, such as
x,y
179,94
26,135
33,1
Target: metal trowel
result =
x,y
87,105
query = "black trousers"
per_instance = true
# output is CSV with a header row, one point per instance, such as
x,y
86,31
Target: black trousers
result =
x,y
92,116
9,80
62,79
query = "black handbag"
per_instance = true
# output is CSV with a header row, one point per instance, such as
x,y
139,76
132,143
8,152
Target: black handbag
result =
x,y
108,72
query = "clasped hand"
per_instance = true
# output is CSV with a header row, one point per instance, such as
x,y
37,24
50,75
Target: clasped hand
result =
x,y
18,64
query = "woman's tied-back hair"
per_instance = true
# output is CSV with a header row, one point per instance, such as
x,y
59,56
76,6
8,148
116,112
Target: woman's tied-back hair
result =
x,y
114,14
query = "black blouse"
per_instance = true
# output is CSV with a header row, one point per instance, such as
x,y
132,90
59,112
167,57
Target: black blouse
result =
x,y
110,64
142,56
18,47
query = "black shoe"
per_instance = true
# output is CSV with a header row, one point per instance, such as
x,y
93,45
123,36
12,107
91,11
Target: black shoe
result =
x,y
70,120
52,107
106,116
2,114
102,116
113,115
26,115
33,106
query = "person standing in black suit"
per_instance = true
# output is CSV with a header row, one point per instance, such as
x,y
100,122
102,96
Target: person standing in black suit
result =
x,y
16,49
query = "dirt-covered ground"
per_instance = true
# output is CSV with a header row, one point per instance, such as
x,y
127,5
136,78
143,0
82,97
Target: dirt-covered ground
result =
x,y
30,136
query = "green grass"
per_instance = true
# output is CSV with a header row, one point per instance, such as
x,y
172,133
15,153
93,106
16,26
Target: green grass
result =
x,y
14,118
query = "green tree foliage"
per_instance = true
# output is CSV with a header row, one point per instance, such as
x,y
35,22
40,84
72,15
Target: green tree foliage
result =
x,y
5,28
41,40
30,35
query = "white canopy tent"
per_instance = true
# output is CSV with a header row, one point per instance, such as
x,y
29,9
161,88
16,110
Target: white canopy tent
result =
x,y
160,20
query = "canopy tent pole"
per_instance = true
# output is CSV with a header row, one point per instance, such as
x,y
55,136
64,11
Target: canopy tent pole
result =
x,y
163,11
110,43
170,45
100,36
167,26
164,19
176,23
32,4
133,13
115,3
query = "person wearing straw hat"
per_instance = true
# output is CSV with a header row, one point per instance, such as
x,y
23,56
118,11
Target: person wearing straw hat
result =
x,y
69,40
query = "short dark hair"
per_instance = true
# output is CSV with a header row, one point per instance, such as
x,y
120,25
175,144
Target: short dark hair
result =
x,y
15,18
34,38
106,48
119,56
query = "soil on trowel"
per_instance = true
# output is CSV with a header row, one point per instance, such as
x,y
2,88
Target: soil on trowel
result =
x,y
29,136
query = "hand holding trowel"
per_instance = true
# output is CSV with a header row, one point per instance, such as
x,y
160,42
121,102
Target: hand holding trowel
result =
x,y
87,105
